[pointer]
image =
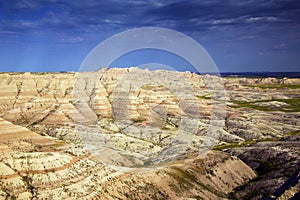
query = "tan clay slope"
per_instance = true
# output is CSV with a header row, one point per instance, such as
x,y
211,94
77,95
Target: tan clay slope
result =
x,y
210,177
59,176
145,98
34,166
50,98
52,175
10,133
32,98
27,173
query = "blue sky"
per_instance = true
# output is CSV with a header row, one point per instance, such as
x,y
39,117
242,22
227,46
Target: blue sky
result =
x,y
56,35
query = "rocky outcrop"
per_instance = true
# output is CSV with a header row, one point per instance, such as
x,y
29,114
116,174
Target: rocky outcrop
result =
x,y
46,168
10,134
210,177
131,133
58,175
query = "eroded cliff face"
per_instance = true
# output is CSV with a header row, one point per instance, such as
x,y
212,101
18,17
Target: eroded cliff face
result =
x,y
49,170
61,133
50,98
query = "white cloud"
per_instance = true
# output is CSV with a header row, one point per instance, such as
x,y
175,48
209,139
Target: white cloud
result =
x,y
71,39
280,46
264,19
223,21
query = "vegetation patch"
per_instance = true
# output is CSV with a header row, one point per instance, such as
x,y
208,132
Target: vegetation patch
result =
x,y
138,119
274,86
293,105
206,96
147,163
294,133
247,143
222,147
150,87
265,167
186,179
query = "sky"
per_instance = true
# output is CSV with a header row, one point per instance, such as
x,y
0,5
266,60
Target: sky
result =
x,y
240,36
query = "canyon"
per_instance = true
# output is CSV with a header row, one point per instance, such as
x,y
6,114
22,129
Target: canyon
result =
x,y
128,133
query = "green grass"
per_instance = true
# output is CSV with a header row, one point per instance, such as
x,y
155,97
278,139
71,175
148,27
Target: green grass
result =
x,y
138,119
147,163
265,167
247,143
274,86
294,105
221,147
187,179
207,96
150,87
294,133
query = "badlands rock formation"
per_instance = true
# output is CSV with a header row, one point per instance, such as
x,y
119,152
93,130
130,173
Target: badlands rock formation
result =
x,y
139,134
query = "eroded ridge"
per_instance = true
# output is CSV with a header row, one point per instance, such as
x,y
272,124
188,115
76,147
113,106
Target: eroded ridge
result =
x,y
129,135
